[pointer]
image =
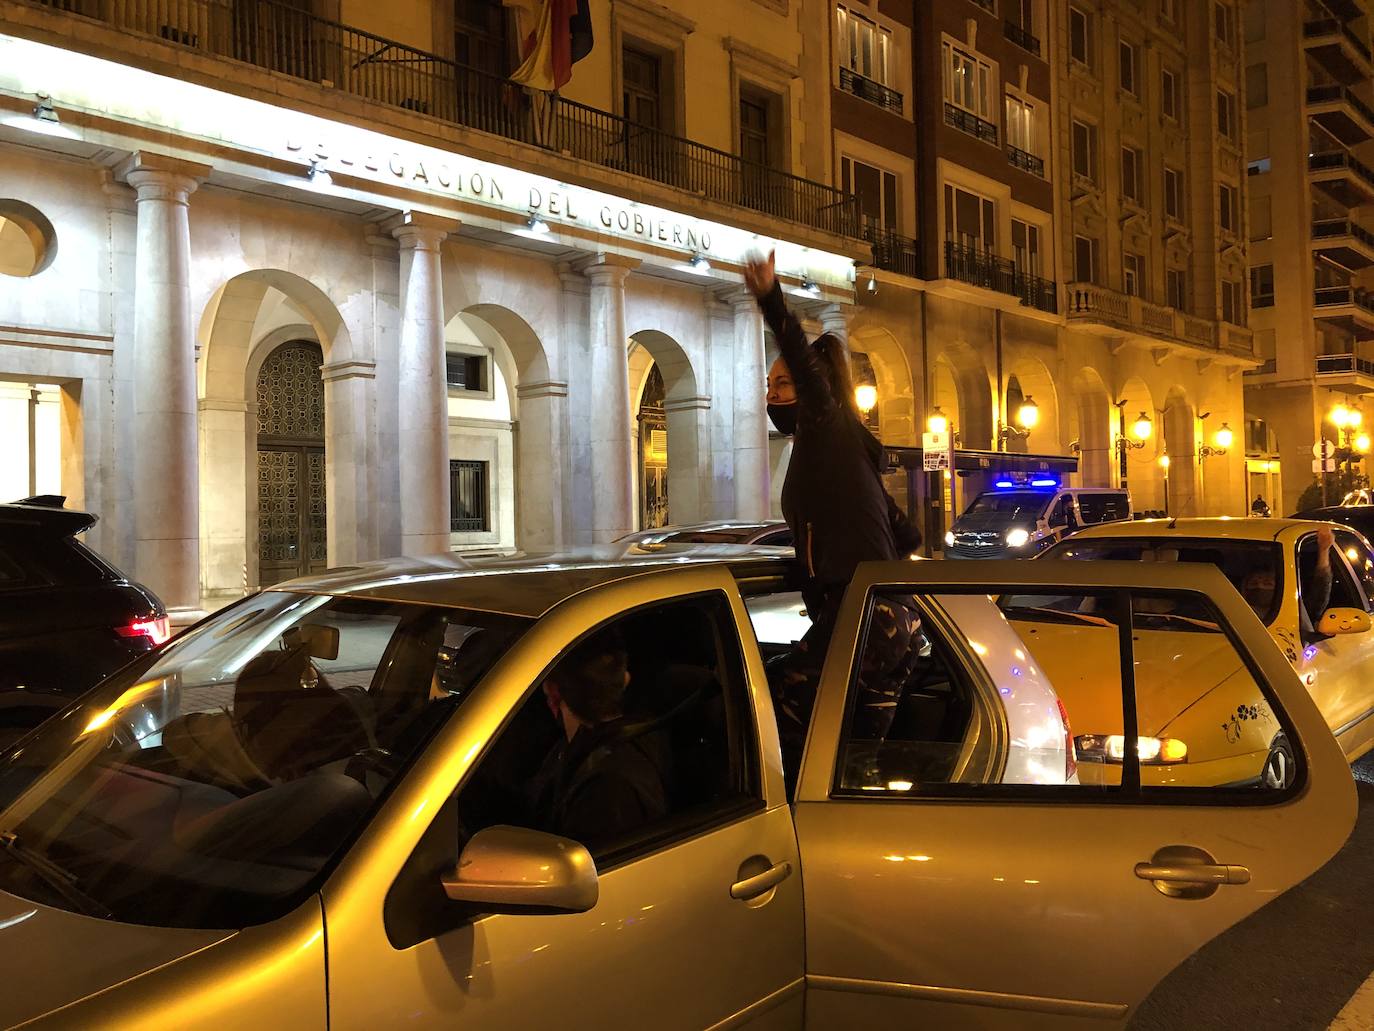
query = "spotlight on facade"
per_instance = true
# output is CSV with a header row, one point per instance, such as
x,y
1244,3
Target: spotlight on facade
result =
x,y
319,176
808,289
938,422
1142,427
872,286
43,119
1224,438
699,264
866,397
1028,415
536,225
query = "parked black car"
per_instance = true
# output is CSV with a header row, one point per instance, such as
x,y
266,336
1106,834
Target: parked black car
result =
x,y
68,619
1357,517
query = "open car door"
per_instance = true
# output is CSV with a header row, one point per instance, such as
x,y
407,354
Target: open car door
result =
x,y
1067,796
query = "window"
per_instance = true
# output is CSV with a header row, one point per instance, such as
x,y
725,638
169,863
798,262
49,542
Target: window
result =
x,y
968,82
469,511
1107,507
1131,170
1226,115
1021,13
1361,561
1254,21
1226,23
875,189
1129,67
1170,95
1232,302
1261,218
467,372
1133,274
1176,288
1085,267
1229,204
1080,37
642,74
1173,194
1344,594
1025,247
1262,286
759,141
1085,150
1020,124
922,702
970,220
1256,86
865,48
28,242
481,37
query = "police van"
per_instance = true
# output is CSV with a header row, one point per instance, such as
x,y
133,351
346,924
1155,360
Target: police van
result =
x,y
1019,518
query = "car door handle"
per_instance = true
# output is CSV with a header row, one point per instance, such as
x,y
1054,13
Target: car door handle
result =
x,y
1185,872
752,887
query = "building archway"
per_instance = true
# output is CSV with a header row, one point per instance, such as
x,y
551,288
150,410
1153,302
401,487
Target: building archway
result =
x,y
1180,442
1140,468
668,466
1029,380
1092,419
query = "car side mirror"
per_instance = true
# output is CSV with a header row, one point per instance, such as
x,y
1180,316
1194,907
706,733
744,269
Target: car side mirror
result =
x,y
515,869
1338,621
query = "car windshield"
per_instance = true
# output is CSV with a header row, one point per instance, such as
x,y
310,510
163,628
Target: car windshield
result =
x,y
214,783
1255,568
727,536
1018,504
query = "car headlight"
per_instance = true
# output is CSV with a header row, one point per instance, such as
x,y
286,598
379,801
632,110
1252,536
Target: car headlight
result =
x,y
1017,538
1111,748
949,538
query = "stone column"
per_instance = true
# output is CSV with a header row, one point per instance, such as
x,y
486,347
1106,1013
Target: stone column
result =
x,y
613,507
751,416
166,475
540,464
834,319
350,397
423,384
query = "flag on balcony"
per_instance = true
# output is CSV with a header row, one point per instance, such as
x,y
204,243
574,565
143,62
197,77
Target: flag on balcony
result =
x,y
562,36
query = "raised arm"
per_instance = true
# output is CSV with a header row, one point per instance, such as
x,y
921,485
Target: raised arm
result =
x,y
813,385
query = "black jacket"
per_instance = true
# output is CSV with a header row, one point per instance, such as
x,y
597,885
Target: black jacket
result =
x,y
833,498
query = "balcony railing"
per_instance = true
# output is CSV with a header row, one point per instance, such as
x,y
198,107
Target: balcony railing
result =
x,y
1329,27
978,267
1329,296
987,5
1026,161
1332,92
1340,159
1338,364
1330,228
1022,38
894,252
281,39
967,121
1265,368
1093,303
874,92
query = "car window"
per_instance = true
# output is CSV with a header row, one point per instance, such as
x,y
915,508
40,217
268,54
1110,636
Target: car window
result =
x,y
215,782
779,539
1035,699
675,757
706,537
1059,515
36,559
1318,593
1102,508
1361,559
1255,568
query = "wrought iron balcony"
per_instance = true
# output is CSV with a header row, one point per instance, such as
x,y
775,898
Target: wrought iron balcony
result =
x,y
967,121
979,267
1344,364
1341,113
1026,161
893,252
1022,38
282,39
874,92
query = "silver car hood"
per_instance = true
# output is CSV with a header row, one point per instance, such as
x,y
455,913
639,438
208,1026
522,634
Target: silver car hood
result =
x,y
52,958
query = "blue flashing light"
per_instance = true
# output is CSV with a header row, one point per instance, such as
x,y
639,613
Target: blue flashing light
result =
x,y
1044,483
1004,484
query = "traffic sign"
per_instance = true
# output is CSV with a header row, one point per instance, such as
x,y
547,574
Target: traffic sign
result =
x,y
935,451
1323,465
1323,449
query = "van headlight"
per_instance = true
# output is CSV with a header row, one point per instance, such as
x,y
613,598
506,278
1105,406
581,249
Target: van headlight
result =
x,y
949,538
1111,748
1017,538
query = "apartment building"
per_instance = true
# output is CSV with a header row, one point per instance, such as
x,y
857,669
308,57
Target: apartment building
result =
x,y
287,285
1310,150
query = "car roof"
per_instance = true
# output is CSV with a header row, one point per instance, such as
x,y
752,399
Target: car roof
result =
x,y
45,515
716,524
525,583
1243,528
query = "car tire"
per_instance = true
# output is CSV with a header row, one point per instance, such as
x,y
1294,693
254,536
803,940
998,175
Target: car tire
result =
x,y
1279,765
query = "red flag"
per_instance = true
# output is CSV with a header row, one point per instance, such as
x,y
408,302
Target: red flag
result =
x,y
562,36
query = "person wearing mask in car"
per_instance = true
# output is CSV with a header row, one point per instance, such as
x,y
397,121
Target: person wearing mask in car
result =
x,y
601,780
836,506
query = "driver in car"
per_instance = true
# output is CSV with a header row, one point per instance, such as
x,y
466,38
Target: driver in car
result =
x,y
601,780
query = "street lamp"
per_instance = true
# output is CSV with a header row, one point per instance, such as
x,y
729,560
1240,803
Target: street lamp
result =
x,y
1027,418
866,397
1141,430
937,422
1223,439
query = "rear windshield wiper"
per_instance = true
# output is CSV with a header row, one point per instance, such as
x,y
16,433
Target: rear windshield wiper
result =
x,y
56,878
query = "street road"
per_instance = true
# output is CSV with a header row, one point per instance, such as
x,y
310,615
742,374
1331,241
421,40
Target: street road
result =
x,y
1299,964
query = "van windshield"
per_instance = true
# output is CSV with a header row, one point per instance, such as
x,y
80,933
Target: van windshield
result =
x,y
213,784
1012,504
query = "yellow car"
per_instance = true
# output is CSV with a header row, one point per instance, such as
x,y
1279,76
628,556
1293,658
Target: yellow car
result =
x,y
1197,715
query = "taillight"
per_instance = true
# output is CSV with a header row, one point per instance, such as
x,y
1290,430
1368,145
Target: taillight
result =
x,y
1070,755
156,628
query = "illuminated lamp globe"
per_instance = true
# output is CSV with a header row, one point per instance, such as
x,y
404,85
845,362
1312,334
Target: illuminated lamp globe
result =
x,y
1354,419
1362,443
1164,462
866,397
1028,415
1143,427
1340,417
938,422
1225,437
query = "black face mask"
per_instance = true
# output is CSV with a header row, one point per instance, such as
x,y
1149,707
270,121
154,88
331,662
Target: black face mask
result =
x,y
784,418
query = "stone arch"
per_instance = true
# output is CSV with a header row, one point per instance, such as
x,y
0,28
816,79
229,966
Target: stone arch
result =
x,y
688,426
1092,428
1144,475
897,423
963,389
1031,378
247,318
538,410
1180,442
